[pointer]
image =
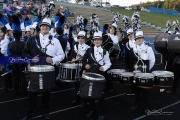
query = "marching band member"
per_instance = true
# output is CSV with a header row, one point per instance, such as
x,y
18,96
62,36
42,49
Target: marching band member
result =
x,y
54,55
115,39
76,56
128,56
15,48
97,60
128,48
4,45
145,53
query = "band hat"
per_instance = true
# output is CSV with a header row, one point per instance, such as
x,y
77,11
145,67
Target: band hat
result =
x,y
115,25
139,34
81,34
8,27
130,31
28,28
46,21
97,35
34,25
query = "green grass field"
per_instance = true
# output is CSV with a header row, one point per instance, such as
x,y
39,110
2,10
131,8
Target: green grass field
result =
x,y
153,18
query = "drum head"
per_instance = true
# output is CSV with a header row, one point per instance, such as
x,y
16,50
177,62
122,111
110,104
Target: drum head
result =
x,y
127,74
93,76
144,75
117,71
163,73
41,68
137,71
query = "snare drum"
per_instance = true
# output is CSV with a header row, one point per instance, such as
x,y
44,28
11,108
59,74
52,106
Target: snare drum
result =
x,y
114,74
69,72
127,78
41,77
163,78
144,80
91,85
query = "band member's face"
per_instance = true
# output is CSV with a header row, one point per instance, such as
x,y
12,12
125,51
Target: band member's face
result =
x,y
139,41
97,42
10,33
131,36
45,29
32,31
23,33
65,27
80,40
111,30
28,33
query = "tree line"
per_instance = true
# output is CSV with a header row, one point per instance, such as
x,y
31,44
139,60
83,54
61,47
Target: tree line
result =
x,y
167,4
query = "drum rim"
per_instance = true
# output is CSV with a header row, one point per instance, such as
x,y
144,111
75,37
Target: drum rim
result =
x,y
39,68
109,71
93,79
144,77
128,74
70,65
171,74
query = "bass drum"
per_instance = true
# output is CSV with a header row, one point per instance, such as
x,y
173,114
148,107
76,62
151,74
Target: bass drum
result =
x,y
107,44
41,78
160,43
92,85
174,43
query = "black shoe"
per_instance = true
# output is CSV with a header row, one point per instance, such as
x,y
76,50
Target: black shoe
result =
x,y
83,105
26,118
111,90
134,107
146,111
101,117
170,91
90,113
76,101
46,116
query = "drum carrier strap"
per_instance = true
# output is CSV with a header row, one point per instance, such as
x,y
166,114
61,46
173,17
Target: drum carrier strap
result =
x,y
92,52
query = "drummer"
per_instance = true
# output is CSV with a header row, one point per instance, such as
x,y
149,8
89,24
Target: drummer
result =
x,y
76,57
115,39
49,48
128,56
128,47
144,60
96,60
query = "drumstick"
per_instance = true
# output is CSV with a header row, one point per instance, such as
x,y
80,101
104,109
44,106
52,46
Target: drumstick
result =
x,y
6,73
165,66
161,58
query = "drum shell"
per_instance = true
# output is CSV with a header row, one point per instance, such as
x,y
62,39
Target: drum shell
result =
x,y
91,89
161,43
48,81
163,81
174,43
126,80
113,75
69,72
144,83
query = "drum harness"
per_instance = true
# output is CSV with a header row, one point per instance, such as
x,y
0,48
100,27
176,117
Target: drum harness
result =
x,y
43,50
140,59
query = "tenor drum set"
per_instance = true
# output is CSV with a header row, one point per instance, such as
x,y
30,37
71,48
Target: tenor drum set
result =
x,y
161,79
